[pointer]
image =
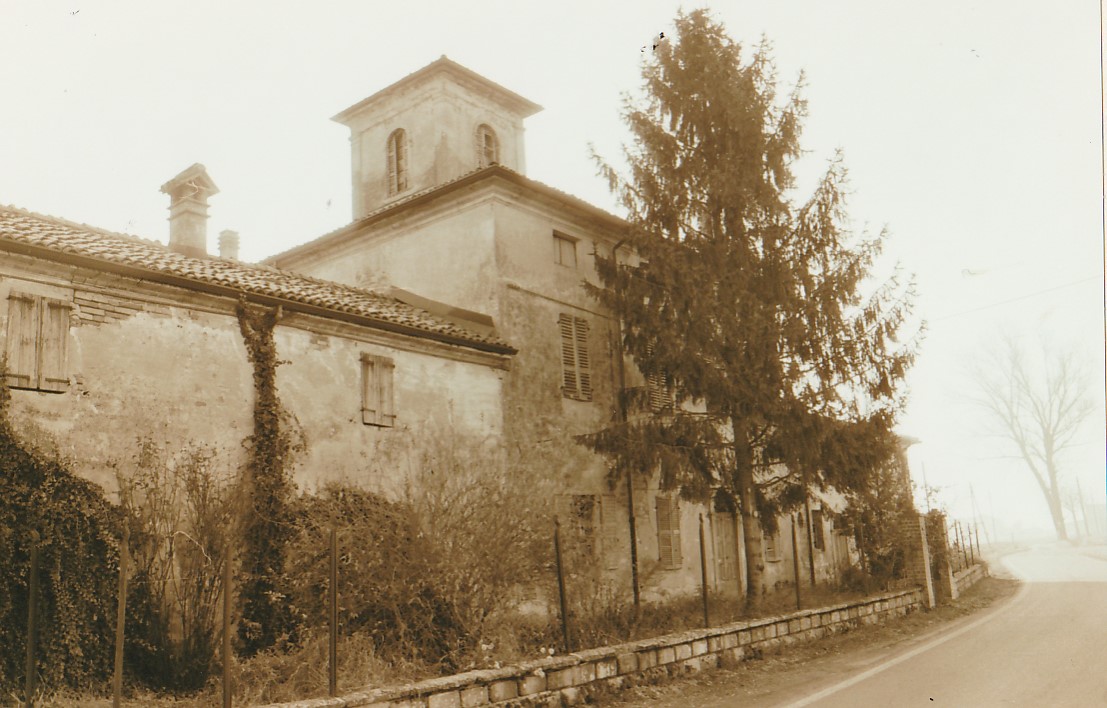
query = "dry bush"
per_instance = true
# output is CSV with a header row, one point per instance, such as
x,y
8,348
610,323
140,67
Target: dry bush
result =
x,y
178,509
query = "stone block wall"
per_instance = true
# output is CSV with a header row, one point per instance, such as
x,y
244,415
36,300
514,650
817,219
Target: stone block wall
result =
x,y
573,678
968,577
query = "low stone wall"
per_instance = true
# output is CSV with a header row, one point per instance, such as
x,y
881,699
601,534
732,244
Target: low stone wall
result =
x,y
968,577
570,679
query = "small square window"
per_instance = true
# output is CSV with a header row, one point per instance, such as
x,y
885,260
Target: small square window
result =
x,y
377,406
565,251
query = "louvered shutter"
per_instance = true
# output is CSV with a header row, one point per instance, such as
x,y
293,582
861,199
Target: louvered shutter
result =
x,y
658,392
668,532
385,370
21,341
584,364
568,357
52,374
370,397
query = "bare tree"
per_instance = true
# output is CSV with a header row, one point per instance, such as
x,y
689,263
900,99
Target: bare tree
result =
x,y
1038,407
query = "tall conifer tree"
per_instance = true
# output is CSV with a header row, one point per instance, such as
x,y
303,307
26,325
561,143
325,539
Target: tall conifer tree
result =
x,y
753,305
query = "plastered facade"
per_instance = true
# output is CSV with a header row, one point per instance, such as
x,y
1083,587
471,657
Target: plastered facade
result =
x,y
152,361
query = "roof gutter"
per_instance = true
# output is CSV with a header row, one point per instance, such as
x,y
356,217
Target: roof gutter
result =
x,y
235,293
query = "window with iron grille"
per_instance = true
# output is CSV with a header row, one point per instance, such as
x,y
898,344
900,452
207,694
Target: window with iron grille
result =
x,y
488,146
377,405
576,369
36,343
397,161
668,531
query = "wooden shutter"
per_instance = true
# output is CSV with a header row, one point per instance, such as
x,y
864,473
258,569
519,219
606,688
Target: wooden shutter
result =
x,y
668,531
584,365
385,371
817,528
377,401
370,399
21,340
54,344
568,357
658,390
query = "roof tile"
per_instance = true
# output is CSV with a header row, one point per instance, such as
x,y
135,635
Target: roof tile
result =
x,y
30,229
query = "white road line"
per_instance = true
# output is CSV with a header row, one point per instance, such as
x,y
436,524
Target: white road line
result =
x,y
913,653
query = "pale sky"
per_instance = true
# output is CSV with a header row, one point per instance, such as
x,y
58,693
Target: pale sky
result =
x,y
971,130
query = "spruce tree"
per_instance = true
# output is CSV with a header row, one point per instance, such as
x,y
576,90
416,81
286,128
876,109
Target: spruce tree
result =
x,y
754,306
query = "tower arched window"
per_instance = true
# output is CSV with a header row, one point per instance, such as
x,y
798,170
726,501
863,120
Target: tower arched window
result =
x,y
488,146
397,161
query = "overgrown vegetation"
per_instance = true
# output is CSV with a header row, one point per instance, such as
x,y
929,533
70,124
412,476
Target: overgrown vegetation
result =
x,y
77,534
178,509
266,616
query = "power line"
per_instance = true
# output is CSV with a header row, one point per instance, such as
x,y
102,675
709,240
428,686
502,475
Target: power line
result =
x,y
1015,299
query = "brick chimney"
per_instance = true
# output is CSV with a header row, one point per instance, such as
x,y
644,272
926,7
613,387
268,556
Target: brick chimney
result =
x,y
228,245
188,211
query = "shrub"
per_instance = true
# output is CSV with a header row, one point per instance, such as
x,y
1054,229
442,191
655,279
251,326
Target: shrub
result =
x,y
78,570
178,509
387,588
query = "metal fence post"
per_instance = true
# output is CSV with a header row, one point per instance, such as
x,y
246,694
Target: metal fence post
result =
x,y
32,610
227,625
120,619
332,673
796,564
703,577
561,586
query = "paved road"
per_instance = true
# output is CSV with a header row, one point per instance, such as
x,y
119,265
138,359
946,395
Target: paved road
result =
x,y
1044,648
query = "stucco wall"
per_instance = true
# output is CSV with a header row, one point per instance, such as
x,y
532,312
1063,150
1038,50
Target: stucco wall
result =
x,y
440,119
151,361
445,255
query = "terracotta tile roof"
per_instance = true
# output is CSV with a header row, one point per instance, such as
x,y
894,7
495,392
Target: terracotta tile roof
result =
x,y
27,229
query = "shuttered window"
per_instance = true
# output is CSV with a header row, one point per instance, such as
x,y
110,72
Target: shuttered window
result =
x,y
817,528
576,367
397,161
668,531
36,343
488,146
660,393
377,404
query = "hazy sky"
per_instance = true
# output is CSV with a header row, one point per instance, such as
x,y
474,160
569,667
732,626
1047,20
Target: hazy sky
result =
x,y
971,130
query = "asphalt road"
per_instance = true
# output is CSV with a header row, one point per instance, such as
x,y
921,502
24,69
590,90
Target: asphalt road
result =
x,y
1046,647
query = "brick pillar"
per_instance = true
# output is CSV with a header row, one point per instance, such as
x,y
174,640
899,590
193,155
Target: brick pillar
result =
x,y
938,542
918,557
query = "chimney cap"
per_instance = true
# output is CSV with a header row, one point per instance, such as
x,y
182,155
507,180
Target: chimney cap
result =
x,y
196,176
